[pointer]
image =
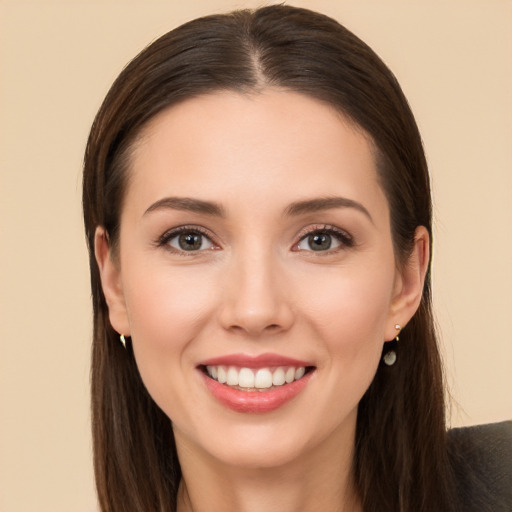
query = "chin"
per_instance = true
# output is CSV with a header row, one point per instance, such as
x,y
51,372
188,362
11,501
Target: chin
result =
x,y
275,444
260,454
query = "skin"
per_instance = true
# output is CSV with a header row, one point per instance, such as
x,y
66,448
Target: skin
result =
x,y
256,286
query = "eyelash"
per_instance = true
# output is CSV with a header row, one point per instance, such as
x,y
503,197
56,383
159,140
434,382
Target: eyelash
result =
x,y
344,238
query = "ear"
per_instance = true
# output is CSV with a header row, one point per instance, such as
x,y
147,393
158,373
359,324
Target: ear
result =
x,y
110,275
409,283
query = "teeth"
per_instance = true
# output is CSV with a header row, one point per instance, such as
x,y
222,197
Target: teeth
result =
x,y
246,378
232,377
289,376
261,378
221,375
278,377
299,372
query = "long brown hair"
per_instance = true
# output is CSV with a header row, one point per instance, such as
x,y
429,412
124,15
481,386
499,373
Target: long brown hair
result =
x,y
400,457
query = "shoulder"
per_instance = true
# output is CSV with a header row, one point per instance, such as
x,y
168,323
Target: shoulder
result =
x,y
481,459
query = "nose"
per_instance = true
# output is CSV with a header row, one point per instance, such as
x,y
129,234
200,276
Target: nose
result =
x,y
255,299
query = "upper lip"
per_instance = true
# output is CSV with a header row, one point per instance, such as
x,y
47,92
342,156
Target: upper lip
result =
x,y
250,361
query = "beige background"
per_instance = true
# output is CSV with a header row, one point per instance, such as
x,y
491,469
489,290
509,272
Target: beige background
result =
x,y
57,59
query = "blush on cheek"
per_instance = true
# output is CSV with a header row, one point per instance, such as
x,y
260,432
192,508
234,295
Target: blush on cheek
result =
x,y
353,313
162,328
166,308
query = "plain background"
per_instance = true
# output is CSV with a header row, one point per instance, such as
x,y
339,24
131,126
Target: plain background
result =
x,y
57,60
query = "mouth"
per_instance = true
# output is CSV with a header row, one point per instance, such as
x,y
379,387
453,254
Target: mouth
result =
x,y
255,379
255,384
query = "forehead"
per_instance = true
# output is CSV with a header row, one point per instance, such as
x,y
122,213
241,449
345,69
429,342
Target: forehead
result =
x,y
277,145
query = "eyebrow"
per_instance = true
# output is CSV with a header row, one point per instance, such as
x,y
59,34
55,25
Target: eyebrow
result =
x,y
188,204
297,208
325,203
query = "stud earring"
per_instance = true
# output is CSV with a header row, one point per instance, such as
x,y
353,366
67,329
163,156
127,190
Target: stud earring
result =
x,y
123,340
389,357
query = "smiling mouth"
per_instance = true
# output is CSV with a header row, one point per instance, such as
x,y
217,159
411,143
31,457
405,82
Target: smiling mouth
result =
x,y
255,379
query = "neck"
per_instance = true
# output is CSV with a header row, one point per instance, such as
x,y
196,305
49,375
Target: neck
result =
x,y
316,482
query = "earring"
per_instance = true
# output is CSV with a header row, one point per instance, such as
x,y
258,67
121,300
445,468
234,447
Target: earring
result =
x,y
123,340
389,357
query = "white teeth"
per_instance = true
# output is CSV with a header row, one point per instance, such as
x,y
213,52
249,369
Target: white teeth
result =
x,y
299,372
232,377
221,375
278,377
261,378
246,378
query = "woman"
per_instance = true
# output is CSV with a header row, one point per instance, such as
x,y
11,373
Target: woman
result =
x,y
257,207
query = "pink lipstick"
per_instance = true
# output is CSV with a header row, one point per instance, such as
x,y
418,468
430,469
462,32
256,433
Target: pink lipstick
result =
x,y
261,361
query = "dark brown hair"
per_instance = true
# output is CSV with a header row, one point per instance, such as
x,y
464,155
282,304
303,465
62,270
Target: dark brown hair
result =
x,y
400,457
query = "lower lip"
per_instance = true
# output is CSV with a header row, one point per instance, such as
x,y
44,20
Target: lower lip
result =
x,y
255,401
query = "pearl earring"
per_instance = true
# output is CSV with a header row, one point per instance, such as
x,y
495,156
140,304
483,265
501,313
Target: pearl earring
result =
x,y
389,357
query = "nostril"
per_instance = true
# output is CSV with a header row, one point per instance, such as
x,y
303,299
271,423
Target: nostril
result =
x,y
268,329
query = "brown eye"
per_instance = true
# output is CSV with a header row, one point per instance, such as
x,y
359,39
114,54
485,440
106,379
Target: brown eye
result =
x,y
324,240
319,241
190,241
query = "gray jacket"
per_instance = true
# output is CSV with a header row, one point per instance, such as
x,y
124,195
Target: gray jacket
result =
x,y
482,462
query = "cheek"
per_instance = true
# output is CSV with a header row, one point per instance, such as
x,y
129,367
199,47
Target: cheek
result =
x,y
167,310
349,308
166,306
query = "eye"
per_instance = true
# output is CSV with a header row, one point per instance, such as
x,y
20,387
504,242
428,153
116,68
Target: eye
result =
x,y
324,240
187,240
317,242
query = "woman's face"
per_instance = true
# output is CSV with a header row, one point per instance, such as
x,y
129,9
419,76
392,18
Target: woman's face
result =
x,y
255,241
